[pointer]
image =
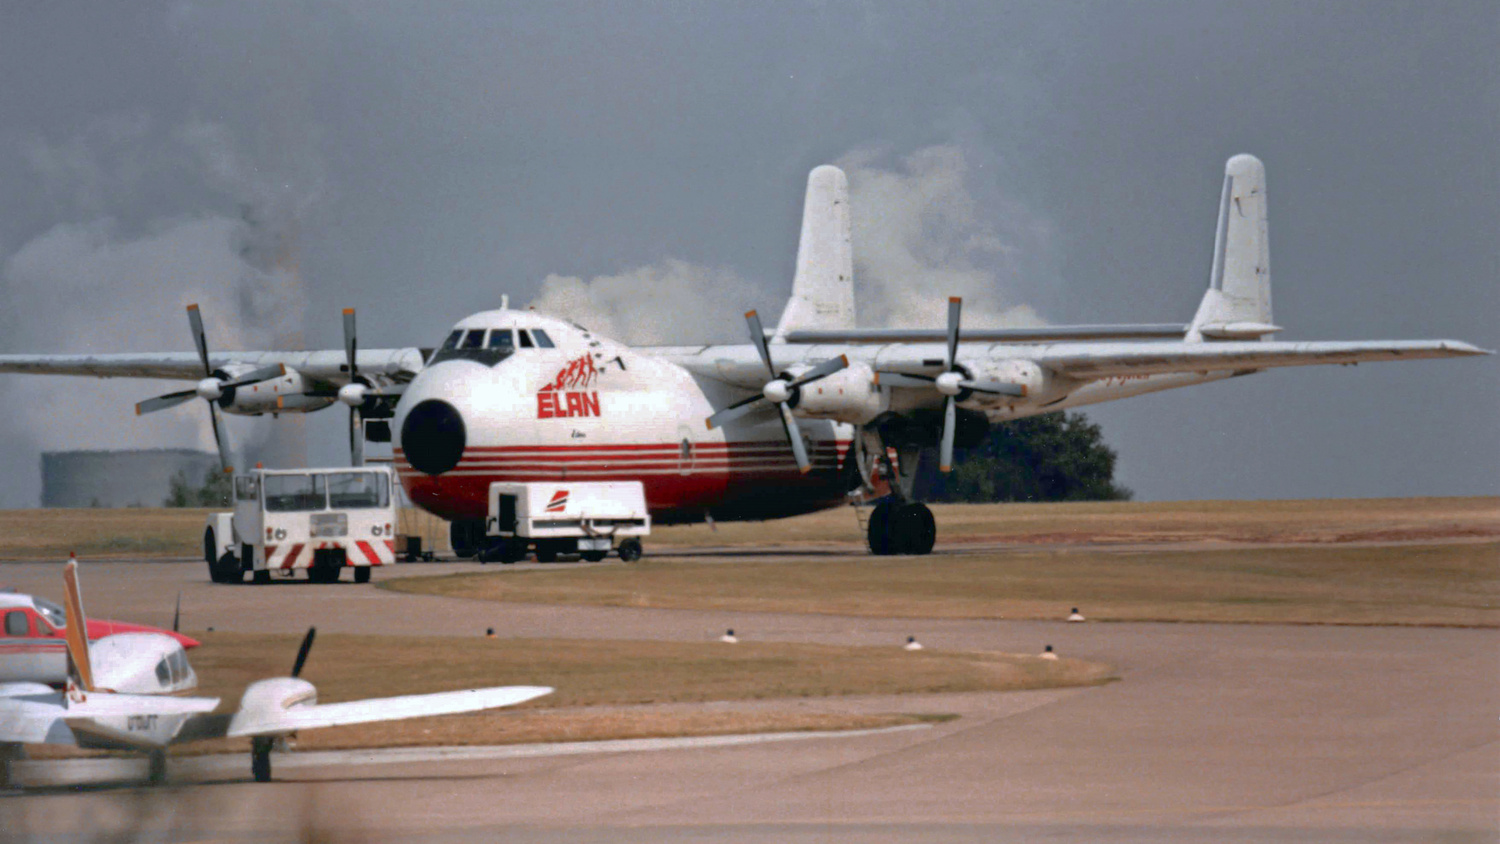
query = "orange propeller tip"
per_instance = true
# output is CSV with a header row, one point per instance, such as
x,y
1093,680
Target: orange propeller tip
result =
x,y
749,314
955,298
193,307
348,310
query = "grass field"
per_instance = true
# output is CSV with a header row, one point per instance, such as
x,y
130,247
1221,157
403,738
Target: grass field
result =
x,y
1455,583
608,689
147,532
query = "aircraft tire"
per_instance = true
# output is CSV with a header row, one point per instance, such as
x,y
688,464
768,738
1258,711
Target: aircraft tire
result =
x,y
878,531
260,758
630,550
362,574
913,528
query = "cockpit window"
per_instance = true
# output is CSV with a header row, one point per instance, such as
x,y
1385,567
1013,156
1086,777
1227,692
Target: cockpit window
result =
x,y
472,346
525,339
50,611
542,340
163,674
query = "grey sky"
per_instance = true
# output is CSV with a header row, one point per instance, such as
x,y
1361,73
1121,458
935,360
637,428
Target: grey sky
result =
x,y
420,160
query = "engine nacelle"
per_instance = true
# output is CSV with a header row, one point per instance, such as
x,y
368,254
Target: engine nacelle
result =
x,y
849,395
265,701
277,395
1041,385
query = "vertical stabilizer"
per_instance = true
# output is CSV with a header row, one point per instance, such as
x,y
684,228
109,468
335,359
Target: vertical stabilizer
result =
x,y
76,632
823,288
1237,305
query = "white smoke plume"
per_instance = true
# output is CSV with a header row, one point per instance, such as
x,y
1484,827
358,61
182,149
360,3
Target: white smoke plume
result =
x,y
919,237
100,284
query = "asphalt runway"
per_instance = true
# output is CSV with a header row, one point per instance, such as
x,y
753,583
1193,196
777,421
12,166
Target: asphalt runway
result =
x,y
1214,733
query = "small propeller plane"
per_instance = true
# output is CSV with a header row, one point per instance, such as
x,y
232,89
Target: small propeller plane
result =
x,y
32,646
125,692
788,423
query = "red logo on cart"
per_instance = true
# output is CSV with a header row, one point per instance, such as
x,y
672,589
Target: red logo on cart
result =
x,y
559,501
567,395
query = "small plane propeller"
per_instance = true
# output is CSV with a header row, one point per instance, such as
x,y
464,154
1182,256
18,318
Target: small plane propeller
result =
x,y
780,391
211,388
302,651
177,614
953,381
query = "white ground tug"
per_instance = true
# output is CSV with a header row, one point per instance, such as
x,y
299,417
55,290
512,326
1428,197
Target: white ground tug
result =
x,y
316,520
565,518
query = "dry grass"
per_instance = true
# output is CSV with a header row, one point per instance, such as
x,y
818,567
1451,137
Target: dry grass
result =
x,y
607,689
1454,583
146,532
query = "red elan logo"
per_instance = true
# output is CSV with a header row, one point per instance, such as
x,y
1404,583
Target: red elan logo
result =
x,y
559,501
566,396
566,405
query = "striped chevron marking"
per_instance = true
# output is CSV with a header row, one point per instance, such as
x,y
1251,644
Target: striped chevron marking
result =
x,y
379,552
635,459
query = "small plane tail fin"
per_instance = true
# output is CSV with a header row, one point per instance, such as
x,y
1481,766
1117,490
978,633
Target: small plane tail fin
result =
x,y
823,288
1237,305
80,669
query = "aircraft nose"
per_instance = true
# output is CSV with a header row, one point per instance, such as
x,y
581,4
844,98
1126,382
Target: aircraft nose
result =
x,y
433,437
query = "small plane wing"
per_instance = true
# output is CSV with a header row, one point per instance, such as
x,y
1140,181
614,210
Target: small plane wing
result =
x,y
281,722
1091,361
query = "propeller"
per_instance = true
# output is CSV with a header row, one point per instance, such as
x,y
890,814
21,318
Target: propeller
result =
x,y
177,614
780,391
952,382
302,651
211,388
353,393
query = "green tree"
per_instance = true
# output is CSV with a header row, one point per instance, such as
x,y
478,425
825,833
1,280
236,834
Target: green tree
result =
x,y
213,492
1053,457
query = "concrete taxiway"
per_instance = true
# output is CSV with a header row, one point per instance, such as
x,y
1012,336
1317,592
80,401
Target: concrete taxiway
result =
x,y
1215,733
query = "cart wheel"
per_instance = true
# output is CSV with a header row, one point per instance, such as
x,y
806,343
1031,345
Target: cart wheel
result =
x,y
261,576
630,550
594,556
362,574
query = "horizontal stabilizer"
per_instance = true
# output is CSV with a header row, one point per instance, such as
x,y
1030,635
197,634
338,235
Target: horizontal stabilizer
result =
x,y
1039,334
281,722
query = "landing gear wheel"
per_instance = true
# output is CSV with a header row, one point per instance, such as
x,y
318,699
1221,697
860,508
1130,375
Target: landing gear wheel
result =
x,y
878,531
260,758
362,574
466,536
593,556
261,577
157,767
913,529
630,550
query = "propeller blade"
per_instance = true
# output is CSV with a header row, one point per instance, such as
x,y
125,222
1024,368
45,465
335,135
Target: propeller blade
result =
x,y
219,437
177,614
349,343
302,651
950,422
901,379
794,436
822,370
255,376
955,306
356,438
997,388
164,402
195,320
734,411
758,337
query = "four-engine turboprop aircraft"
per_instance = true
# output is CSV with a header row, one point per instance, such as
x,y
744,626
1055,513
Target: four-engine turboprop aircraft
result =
x,y
124,693
760,430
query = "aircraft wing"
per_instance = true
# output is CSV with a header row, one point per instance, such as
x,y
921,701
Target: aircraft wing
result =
x,y
330,364
283,721
1087,361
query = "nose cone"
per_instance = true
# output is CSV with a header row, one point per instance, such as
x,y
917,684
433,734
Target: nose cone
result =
x,y
433,437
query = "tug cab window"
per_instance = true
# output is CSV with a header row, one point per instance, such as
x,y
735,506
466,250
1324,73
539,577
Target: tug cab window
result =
x,y
293,493
353,490
246,488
